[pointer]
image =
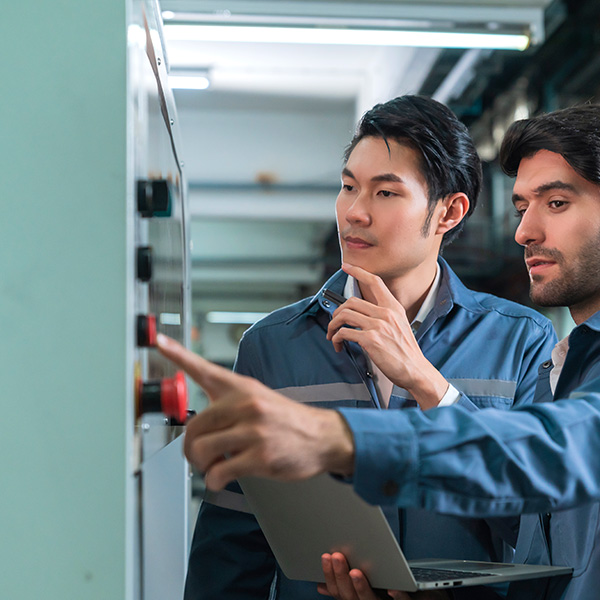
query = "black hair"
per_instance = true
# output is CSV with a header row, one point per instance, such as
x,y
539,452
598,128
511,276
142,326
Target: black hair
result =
x,y
449,160
574,133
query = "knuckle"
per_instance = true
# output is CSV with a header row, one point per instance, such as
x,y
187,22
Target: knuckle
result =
x,y
252,400
259,409
251,386
371,336
263,456
196,454
350,304
338,334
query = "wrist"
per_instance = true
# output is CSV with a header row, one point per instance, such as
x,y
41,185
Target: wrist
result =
x,y
429,388
338,456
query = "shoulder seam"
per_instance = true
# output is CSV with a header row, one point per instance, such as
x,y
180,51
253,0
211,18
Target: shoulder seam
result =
x,y
537,318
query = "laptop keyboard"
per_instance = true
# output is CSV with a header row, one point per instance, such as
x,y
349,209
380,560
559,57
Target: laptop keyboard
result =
x,y
421,574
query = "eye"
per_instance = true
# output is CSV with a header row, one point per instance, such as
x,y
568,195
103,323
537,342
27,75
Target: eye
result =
x,y
557,203
347,187
386,193
520,209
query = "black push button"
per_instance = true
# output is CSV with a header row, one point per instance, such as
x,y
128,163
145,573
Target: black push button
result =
x,y
153,198
143,263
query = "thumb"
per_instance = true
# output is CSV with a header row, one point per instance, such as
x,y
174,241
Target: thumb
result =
x,y
213,379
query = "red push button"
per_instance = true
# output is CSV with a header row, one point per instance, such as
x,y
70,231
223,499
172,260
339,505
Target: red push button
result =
x,y
146,331
168,395
174,397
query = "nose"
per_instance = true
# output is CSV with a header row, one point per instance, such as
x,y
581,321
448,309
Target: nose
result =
x,y
357,212
530,230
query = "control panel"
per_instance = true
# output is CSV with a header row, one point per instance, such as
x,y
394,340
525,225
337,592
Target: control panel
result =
x,y
161,304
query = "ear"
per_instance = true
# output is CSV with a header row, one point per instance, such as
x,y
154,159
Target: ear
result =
x,y
451,211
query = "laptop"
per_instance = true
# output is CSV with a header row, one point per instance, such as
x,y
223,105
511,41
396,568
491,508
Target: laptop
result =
x,y
301,520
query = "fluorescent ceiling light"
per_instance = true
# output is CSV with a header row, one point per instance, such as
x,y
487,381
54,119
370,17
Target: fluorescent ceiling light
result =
x,y
189,82
356,37
247,318
170,319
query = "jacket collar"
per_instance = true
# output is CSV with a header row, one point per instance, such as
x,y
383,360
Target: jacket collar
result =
x,y
592,323
454,291
336,284
451,292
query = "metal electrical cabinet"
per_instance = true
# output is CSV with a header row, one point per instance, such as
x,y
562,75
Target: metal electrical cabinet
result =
x,y
162,300
94,258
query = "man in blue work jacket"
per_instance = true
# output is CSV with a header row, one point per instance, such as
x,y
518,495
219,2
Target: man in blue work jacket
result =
x,y
543,458
409,333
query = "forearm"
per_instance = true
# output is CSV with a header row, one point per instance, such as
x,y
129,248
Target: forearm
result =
x,y
483,463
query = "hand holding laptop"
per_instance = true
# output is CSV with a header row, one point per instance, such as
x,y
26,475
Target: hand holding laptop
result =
x,y
343,583
262,432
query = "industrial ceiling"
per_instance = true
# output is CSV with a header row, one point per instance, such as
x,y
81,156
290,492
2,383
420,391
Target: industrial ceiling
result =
x,y
263,144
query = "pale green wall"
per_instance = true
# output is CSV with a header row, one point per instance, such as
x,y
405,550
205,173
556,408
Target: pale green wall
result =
x,y
64,474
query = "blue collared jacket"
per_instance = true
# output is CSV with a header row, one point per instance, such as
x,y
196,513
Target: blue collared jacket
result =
x,y
486,347
542,458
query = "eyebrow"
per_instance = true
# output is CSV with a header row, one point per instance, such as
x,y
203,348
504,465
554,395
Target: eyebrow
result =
x,y
547,187
392,177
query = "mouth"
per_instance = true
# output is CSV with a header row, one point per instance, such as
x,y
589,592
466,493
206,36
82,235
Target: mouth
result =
x,y
355,243
538,265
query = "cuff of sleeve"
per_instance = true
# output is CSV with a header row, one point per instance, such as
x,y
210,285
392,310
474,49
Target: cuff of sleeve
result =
x,y
451,396
464,401
386,456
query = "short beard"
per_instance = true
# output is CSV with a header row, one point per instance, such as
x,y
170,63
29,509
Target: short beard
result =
x,y
579,283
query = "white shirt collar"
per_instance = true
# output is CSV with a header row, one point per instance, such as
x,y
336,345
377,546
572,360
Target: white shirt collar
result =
x,y
559,354
351,289
430,299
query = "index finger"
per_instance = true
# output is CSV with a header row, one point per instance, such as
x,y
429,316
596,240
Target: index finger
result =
x,y
374,283
330,582
213,379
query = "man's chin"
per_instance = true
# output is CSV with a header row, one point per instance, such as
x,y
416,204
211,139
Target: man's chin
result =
x,y
357,261
545,297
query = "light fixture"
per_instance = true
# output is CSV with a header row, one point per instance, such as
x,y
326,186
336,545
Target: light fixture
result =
x,y
348,36
170,319
197,78
189,82
231,317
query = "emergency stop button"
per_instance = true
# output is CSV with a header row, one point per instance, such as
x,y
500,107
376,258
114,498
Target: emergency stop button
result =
x,y
167,395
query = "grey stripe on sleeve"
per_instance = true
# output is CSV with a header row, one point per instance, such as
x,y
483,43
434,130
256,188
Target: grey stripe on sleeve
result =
x,y
327,392
495,388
